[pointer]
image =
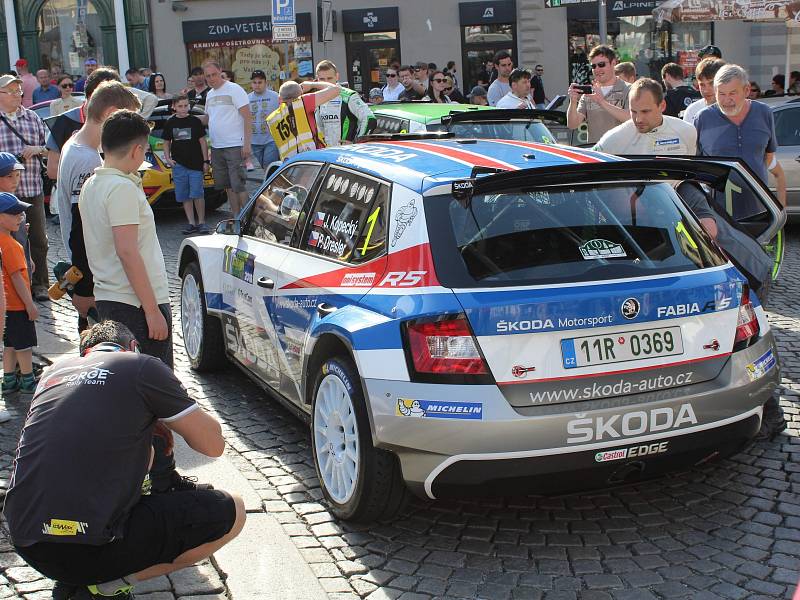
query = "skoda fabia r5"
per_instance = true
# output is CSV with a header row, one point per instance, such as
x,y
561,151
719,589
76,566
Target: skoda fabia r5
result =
x,y
462,316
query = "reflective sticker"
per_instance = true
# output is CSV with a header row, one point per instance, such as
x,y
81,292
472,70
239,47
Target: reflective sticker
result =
x,y
438,410
761,366
594,249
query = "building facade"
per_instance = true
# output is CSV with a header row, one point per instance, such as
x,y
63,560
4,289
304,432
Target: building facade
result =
x,y
172,36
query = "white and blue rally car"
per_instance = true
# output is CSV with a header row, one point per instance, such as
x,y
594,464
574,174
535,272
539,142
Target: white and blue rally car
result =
x,y
453,315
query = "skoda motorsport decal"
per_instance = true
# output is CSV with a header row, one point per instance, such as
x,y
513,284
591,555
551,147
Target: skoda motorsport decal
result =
x,y
594,249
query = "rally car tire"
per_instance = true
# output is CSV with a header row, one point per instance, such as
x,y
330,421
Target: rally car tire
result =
x,y
359,481
202,333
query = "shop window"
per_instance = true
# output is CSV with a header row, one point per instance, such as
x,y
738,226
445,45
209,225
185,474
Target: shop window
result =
x,y
488,34
369,36
69,33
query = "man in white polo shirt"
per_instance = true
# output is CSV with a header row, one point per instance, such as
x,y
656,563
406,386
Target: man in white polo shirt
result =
x,y
649,130
231,130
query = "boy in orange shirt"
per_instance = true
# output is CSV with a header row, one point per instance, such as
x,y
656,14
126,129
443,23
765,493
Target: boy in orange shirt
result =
x,y
20,334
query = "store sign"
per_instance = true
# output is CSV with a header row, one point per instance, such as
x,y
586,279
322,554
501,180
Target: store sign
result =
x,y
631,8
283,12
482,13
371,19
241,28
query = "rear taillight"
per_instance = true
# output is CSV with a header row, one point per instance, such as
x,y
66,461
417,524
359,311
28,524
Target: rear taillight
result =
x,y
747,325
444,347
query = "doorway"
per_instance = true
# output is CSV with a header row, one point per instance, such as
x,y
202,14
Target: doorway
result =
x,y
369,54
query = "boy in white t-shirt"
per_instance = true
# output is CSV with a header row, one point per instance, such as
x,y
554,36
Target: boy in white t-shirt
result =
x,y
230,128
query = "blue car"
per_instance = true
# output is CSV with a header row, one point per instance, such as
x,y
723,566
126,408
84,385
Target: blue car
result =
x,y
460,316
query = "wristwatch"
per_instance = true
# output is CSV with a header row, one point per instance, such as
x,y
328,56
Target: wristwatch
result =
x,y
208,162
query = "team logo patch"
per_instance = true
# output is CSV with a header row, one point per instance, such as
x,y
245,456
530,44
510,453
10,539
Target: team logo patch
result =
x,y
438,410
669,142
630,308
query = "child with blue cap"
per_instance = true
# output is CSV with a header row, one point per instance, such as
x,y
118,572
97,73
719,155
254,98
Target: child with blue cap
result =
x,y
19,337
10,174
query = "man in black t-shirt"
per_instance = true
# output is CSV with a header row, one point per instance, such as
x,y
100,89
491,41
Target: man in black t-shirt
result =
x,y
77,508
678,95
197,95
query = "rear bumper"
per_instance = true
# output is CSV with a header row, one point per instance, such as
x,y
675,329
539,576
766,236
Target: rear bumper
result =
x,y
548,449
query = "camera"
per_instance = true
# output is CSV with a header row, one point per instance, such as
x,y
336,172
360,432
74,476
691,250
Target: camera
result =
x,y
585,89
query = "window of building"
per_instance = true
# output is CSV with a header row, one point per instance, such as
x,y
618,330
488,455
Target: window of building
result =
x,y
69,33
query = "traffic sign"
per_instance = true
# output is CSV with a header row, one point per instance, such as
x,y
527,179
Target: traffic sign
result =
x,y
283,13
284,32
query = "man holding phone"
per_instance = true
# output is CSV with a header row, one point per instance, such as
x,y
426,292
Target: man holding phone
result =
x,y
604,104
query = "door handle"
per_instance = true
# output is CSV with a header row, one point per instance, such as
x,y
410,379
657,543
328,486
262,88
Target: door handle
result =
x,y
266,282
324,309
797,158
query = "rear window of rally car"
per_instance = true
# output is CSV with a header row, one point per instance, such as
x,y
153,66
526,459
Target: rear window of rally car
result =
x,y
564,234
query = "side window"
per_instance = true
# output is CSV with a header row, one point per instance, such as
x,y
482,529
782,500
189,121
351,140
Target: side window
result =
x,y
278,207
787,127
348,221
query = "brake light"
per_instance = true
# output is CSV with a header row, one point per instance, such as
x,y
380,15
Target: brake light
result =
x,y
445,347
747,326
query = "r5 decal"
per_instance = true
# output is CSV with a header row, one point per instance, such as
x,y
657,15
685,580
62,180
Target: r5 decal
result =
x,y
402,278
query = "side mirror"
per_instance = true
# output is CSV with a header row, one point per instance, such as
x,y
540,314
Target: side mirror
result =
x,y
229,227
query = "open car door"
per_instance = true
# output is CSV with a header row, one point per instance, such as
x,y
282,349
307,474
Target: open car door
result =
x,y
738,196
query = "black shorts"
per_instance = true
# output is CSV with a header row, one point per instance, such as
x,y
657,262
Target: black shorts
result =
x,y
20,331
133,318
160,528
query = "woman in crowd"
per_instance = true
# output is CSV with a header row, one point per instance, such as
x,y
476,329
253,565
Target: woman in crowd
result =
x,y
436,87
452,91
67,100
158,86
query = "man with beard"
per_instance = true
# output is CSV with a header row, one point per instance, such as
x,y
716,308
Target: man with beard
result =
x,y
738,126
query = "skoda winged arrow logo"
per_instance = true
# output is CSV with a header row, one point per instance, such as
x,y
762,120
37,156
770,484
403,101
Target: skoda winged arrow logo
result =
x,y
630,308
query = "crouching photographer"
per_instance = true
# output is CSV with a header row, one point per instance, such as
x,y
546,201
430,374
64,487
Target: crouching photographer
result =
x,y
77,508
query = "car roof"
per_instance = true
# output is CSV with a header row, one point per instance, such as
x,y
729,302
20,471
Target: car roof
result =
x,y
423,112
423,164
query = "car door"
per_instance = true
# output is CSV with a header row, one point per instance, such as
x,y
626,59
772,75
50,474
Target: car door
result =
x,y
250,270
336,260
787,130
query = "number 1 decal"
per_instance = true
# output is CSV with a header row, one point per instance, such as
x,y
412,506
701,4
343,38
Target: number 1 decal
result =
x,y
373,218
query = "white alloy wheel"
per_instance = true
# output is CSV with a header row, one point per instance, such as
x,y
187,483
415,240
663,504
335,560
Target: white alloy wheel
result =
x,y
336,439
191,316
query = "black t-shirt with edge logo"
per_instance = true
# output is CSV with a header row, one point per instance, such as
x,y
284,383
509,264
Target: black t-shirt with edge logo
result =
x,y
85,446
679,98
184,136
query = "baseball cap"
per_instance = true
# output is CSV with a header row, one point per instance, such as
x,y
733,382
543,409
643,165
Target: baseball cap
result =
x,y
709,50
477,91
90,61
8,79
258,73
376,93
8,163
21,62
11,205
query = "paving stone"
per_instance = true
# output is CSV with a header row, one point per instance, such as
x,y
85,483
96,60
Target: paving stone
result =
x,y
196,580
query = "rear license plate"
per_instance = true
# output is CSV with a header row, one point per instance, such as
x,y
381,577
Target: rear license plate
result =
x,y
621,347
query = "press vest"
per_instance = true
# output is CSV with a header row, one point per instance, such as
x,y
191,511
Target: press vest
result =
x,y
292,128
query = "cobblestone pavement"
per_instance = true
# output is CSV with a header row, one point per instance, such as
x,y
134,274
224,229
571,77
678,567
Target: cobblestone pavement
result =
x,y
725,530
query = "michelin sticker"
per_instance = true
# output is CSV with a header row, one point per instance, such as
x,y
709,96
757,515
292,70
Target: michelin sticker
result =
x,y
761,366
601,249
438,410
404,217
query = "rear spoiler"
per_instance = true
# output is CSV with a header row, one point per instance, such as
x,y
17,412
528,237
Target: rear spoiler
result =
x,y
505,114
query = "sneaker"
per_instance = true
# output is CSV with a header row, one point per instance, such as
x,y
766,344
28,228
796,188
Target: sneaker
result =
x,y
10,384
182,483
40,295
64,591
92,593
202,229
27,384
189,230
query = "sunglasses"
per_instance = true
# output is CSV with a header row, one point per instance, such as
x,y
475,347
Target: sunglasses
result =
x,y
437,80
65,86
540,70
599,65
391,74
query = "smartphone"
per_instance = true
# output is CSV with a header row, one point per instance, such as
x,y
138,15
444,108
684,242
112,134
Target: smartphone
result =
x,y
585,89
